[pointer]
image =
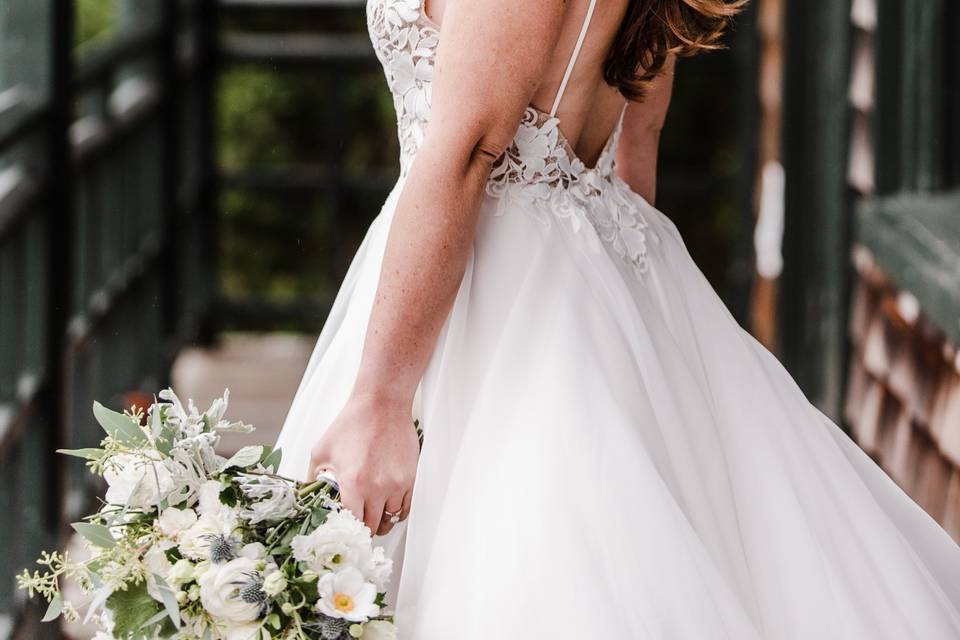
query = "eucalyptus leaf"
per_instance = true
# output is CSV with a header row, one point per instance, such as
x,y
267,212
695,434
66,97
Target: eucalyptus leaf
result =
x,y
54,610
118,426
155,619
272,461
169,600
97,534
86,454
244,458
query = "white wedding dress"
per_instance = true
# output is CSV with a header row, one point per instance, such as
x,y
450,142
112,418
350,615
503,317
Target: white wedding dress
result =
x,y
607,453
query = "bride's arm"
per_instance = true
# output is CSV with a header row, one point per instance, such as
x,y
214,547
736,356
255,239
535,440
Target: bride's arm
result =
x,y
489,63
640,140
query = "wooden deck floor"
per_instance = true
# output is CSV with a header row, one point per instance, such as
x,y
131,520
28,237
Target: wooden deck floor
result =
x,y
262,372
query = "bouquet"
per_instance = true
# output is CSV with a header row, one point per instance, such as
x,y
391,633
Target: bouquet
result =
x,y
190,545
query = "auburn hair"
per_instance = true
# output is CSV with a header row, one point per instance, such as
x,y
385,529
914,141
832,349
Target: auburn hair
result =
x,y
654,29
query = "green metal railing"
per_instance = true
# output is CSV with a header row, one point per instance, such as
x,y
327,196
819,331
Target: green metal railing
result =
x,y
105,202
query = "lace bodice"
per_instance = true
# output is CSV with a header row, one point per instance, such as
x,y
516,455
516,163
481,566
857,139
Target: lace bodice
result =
x,y
539,167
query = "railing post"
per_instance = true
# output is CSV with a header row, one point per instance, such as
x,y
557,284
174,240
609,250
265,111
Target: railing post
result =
x,y
814,289
60,212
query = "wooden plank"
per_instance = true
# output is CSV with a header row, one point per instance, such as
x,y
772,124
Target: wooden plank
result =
x,y
916,241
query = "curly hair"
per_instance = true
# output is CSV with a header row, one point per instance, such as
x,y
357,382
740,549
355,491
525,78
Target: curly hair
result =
x,y
654,29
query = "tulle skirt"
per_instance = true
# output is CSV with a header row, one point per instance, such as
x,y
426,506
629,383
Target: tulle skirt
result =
x,y
609,455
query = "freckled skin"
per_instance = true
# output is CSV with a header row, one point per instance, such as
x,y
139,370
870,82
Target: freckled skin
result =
x,y
371,446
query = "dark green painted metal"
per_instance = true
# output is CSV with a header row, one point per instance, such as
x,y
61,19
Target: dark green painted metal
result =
x,y
815,282
913,230
909,122
916,240
950,149
89,306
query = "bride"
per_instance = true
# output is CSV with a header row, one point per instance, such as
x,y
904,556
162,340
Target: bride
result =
x,y
606,453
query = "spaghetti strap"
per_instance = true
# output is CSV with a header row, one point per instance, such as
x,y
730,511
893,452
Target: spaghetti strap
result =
x,y
573,58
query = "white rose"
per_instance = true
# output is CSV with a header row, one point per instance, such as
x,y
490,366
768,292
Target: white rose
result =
x,y
341,541
173,521
220,589
136,482
195,543
347,595
248,631
379,630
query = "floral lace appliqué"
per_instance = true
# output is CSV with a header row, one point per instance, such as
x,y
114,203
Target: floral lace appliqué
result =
x,y
405,44
539,168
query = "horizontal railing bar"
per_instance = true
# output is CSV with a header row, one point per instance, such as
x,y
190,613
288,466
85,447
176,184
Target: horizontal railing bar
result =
x,y
13,412
118,284
292,4
21,113
104,134
19,194
107,58
297,48
303,178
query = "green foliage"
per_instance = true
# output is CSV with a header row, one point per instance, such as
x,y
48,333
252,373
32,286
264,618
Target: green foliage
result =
x,y
119,426
97,534
96,21
132,610
295,242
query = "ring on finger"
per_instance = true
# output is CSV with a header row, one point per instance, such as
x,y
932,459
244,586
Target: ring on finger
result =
x,y
393,517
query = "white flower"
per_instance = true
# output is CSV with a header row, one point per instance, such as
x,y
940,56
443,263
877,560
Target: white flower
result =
x,y
247,631
379,630
221,587
272,498
341,541
253,551
274,584
135,481
210,504
380,570
195,541
172,522
347,595
102,635
182,572
157,566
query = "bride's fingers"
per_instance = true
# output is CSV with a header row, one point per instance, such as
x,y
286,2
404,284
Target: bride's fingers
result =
x,y
352,500
373,513
393,506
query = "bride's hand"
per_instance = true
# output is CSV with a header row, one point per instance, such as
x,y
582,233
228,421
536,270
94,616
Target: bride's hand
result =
x,y
372,448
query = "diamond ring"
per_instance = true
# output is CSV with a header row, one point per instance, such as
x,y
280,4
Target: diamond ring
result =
x,y
393,517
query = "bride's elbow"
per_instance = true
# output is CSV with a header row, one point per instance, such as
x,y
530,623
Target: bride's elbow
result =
x,y
487,151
